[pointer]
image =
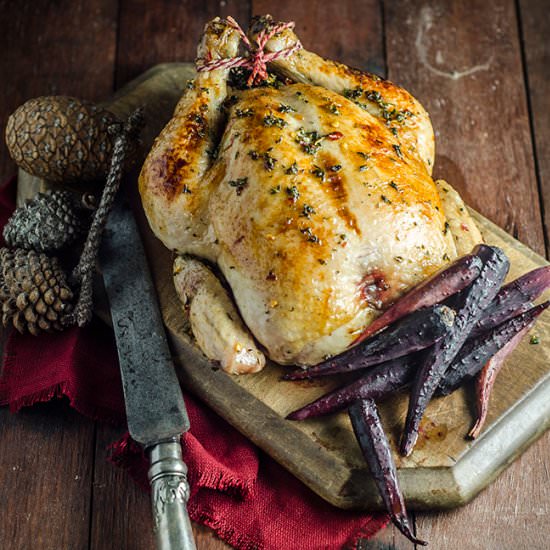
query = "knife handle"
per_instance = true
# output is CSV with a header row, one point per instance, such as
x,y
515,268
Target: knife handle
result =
x,y
169,493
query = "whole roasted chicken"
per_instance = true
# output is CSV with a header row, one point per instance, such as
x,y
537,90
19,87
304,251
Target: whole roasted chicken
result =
x,y
312,197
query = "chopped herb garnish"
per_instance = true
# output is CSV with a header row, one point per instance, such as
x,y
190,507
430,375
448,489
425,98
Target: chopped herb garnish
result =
x,y
534,340
393,130
354,93
310,141
242,113
389,112
336,168
307,211
393,185
269,161
292,169
275,190
310,237
185,189
373,95
398,259
446,257
270,120
293,193
385,199
286,108
253,155
363,155
446,228
363,167
321,261
397,149
239,184
333,108
318,172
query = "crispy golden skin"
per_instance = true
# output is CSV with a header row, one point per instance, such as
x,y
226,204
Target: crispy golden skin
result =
x,y
319,210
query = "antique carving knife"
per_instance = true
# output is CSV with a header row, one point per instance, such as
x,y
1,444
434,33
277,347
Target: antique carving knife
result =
x,y
154,402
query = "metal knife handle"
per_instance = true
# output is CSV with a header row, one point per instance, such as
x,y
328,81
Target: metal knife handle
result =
x,y
169,492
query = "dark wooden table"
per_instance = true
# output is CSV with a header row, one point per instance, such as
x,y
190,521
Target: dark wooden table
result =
x,y
481,68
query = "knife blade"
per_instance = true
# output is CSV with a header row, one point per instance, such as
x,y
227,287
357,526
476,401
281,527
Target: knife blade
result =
x,y
154,403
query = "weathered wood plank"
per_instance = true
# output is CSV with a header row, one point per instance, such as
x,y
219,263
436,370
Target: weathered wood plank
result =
x,y
46,454
121,511
462,61
53,48
509,514
348,31
45,478
166,31
126,520
535,30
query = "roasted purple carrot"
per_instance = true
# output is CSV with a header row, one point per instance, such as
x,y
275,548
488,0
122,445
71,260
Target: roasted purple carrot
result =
x,y
387,378
436,289
477,351
376,450
415,332
514,298
470,305
487,376
377,383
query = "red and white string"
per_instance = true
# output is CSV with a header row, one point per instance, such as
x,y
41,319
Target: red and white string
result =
x,y
257,58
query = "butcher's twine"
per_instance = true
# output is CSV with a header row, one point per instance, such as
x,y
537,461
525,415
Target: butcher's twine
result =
x,y
257,59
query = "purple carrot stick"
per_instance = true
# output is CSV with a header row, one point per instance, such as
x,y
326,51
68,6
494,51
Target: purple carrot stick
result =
x,y
417,331
439,287
387,378
377,452
514,298
477,351
486,379
471,303
377,383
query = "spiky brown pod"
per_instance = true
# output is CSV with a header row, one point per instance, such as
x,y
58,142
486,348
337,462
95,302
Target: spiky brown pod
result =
x,y
62,139
51,221
34,292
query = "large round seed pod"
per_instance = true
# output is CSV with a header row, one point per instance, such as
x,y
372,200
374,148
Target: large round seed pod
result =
x,y
49,222
62,139
34,292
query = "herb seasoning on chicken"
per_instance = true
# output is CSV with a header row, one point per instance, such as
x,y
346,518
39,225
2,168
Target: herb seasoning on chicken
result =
x,y
323,179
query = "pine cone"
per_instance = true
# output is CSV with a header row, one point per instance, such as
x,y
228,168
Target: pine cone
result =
x,y
33,291
51,221
62,139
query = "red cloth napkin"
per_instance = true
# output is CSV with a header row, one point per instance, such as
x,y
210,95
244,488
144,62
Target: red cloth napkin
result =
x,y
247,498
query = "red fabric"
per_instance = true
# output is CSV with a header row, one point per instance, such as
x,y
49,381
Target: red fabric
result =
x,y
241,493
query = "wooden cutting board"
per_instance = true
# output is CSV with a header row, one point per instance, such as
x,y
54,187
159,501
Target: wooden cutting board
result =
x,y
445,470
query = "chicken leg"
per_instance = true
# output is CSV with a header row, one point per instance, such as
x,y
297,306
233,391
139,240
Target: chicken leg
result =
x,y
215,322
176,180
404,115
